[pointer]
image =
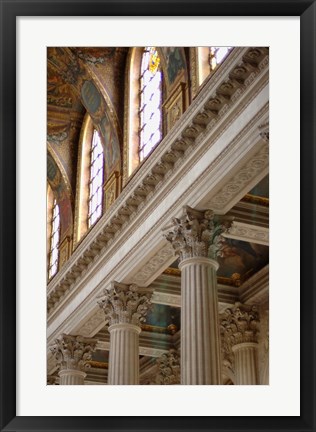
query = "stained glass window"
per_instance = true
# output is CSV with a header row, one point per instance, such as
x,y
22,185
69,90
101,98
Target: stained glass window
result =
x,y
54,241
96,179
150,102
217,55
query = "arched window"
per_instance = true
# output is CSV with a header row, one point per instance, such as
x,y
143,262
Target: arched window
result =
x,y
217,55
209,58
96,179
90,178
54,241
150,102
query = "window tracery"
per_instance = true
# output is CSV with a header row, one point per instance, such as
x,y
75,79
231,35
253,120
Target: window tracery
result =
x,y
150,102
96,179
217,55
54,241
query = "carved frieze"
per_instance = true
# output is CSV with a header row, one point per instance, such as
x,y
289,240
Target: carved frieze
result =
x,y
175,151
157,262
125,303
248,233
241,181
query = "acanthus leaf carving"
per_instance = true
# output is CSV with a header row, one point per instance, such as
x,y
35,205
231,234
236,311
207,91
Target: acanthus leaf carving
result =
x,y
168,368
125,303
240,324
73,352
198,233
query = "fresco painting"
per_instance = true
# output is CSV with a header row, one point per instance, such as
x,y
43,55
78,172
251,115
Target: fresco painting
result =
x,y
112,148
242,257
163,316
58,186
90,96
175,62
95,56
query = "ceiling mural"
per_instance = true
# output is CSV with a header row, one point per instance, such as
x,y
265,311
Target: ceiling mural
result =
x,y
74,73
58,185
242,258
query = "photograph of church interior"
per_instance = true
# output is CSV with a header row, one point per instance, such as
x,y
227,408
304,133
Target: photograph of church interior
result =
x,y
158,216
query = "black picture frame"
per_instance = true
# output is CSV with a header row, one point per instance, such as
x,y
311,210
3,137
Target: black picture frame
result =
x,y
11,9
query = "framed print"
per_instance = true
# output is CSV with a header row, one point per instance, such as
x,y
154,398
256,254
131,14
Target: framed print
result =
x,y
146,250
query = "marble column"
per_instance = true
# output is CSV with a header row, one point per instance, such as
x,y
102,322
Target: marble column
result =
x,y
240,328
125,307
72,354
196,238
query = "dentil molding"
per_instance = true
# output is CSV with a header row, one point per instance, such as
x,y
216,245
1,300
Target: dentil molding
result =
x,y
210,106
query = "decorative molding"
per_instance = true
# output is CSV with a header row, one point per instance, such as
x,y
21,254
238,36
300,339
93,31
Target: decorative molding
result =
x,y
73,352
64,251
111,190
197,233
242,181
125,303
134,198
143,351
168,368
194,70
248,233
89,328
257,200
174,106
166,299
154,266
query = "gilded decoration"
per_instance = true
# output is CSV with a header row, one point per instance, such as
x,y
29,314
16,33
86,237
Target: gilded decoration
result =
x,y
174,106
64,251
111,190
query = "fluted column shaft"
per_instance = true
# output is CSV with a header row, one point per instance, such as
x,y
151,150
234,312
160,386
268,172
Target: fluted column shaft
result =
x,y
71,377
246,371
125,308
124,354
200,346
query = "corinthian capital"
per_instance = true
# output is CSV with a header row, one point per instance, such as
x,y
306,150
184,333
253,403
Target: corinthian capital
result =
x,y
73,352
168,368
197,233
126,303
240,324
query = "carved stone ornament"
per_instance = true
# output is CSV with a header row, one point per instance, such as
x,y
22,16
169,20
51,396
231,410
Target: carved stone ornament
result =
x,y
197,233
73,352
126,303
168,368
240,324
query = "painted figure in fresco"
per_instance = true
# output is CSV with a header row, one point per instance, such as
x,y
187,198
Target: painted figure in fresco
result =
x,y
174,61
58,186
241,257
111,151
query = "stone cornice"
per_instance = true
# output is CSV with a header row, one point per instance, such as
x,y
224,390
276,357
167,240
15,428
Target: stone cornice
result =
x,y
72,279
248,233
206,110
